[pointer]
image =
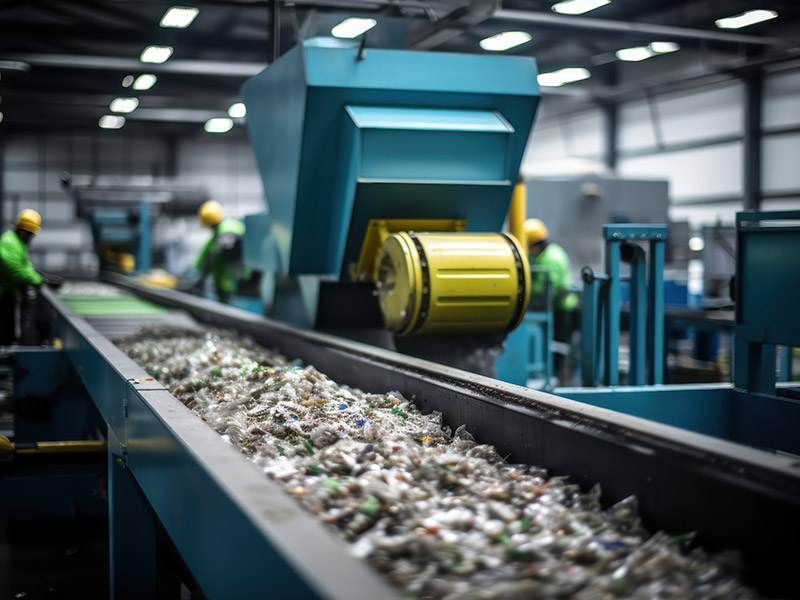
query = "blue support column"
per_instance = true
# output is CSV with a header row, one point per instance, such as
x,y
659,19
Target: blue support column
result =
x,y
143,250
785,373
638,325
655,349
754,366
590,315
132,531
612,314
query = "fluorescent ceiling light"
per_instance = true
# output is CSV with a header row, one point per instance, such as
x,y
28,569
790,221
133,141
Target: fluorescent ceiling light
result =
x,y
664,47
127,81
505,40
179,16
237,111
634,54
124,105
144,82
155,54
562,77
1,117
577,7
696,243
218,125
353,27
638,53
111,121
751,17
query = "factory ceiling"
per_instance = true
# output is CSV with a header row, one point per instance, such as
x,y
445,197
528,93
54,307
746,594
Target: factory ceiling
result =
x,y
63,63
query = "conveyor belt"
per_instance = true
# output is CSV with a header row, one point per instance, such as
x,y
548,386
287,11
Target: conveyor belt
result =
x,y
684,481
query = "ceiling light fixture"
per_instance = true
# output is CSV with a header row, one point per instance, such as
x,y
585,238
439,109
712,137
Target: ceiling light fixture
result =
x,y
751,17
111,121
696,243
145,82
127,81
563,77
634,54
179,17
664,47
353,27
155,54
124,105
577,7
218,125
237,111
1,117
505,40
638,53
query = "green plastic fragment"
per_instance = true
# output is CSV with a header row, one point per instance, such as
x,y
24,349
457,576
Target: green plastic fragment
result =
x,y
524,524
334,484
502,537
309,447
315,468
399,413
371,506
280,449
680,539
216,372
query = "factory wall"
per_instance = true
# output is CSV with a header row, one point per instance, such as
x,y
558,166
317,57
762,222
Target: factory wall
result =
x,y
692,139
33,165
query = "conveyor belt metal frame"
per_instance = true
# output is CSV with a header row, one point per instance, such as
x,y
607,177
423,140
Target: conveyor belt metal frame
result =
x,y
684,481
238,532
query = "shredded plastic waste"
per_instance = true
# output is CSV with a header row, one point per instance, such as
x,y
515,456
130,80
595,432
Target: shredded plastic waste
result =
x,y
441,515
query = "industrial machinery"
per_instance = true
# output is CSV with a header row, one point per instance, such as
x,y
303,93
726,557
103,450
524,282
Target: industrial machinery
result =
x,y
388,175
391,172
122,217
173,481
753,410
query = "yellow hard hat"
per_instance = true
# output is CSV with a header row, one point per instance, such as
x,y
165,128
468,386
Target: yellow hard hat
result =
x,y
29,220
210,213
535,231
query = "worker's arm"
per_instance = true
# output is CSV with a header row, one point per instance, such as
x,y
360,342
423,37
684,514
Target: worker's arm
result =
x,y
17,266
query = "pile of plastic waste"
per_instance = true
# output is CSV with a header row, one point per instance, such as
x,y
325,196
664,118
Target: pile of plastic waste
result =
x,y
439,514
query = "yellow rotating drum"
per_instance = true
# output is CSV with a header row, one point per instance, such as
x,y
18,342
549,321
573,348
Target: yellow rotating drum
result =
x,y
439,283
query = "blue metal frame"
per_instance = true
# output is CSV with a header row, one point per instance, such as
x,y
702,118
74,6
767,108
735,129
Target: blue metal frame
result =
x,y
754,410
40,488
527,354
237,531
601,310
767,288
111,227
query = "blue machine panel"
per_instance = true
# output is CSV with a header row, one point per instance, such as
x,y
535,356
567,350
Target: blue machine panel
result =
x,y
767,265
446,119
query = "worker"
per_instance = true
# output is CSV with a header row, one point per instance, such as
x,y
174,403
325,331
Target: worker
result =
x,y
222,254
16,270
552,264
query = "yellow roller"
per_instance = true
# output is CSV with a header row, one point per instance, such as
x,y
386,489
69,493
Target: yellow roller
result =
x,y
440,283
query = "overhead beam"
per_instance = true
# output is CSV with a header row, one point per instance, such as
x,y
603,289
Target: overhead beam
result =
x,y
189,67
666,32
452,25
